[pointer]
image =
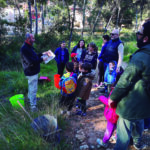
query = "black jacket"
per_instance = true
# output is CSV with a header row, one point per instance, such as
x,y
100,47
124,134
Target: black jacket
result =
x,y
30,60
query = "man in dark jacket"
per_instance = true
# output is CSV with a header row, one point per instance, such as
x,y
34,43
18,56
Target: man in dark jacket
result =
x,y
132,94
61,57
113,51
31,65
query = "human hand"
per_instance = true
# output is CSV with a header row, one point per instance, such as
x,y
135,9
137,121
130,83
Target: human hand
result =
x,y
45,58
118,69
47,53
110,102
79,98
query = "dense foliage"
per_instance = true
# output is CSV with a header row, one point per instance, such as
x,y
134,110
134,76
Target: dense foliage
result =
x,y
103,15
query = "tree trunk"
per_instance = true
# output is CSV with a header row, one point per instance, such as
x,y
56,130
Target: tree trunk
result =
x,y
136,26
69,17
83,21
71,31
117,22
119,8
16,4
30,17
63,4
36,14
97,18
42,9
141,10
107,25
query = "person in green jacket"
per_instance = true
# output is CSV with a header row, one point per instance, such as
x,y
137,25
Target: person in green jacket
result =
x,y
132,94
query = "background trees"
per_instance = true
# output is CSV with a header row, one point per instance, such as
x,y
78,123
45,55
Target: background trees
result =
x,y
56,20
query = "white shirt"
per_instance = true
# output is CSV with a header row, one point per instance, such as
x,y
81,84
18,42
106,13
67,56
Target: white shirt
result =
x,y
120,54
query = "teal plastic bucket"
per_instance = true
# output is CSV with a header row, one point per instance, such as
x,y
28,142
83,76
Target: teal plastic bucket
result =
x,y
13,100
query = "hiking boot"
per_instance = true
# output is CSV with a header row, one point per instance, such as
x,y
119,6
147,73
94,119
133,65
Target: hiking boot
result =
x,y
34,109
145,130
140,146
79,113
68,113
62,112
114,138
83,114
101,143
96,85
102,90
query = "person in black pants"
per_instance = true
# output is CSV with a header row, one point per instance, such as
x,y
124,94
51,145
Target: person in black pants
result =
x,y
61,57
101,67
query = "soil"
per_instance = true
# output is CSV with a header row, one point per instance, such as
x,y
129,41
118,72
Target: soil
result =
x,y
83,132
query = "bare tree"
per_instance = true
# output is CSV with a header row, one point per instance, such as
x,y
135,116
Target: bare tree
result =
x,y
83,21
95,23
72,27
69,16
17,6
36,21
30,17
112,13
42,15
119,8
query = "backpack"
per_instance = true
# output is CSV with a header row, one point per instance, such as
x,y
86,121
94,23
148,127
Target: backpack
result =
x,y
69,85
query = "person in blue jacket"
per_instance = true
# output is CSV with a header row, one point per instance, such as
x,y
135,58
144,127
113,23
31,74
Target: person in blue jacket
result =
x,y
61,57
101,67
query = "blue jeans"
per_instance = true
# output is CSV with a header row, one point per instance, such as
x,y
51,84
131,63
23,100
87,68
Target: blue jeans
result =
x,y
127,129
32,89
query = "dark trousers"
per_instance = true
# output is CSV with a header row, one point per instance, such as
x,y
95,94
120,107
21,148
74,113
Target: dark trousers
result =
x,y
67,101
82,105
100,72
147,123
60,68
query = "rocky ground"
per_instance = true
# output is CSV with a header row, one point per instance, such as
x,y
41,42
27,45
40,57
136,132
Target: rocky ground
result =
x,y
83,132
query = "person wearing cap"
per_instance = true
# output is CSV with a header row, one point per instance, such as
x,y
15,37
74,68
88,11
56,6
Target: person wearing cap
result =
x,y
31,65
114,50
132,94
61,57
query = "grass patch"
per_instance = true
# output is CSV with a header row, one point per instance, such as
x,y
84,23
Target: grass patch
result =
x,y
15,130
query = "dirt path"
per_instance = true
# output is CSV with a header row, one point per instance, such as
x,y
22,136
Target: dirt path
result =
x,y
83,131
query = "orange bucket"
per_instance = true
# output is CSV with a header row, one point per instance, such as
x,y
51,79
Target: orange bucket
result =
x,y
56,81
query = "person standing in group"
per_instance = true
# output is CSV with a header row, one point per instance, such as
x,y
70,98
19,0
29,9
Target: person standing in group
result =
x,y
61,57
132,93
113,51
80,50
84,85
68,83
91,55
101,63
31,65
112,118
